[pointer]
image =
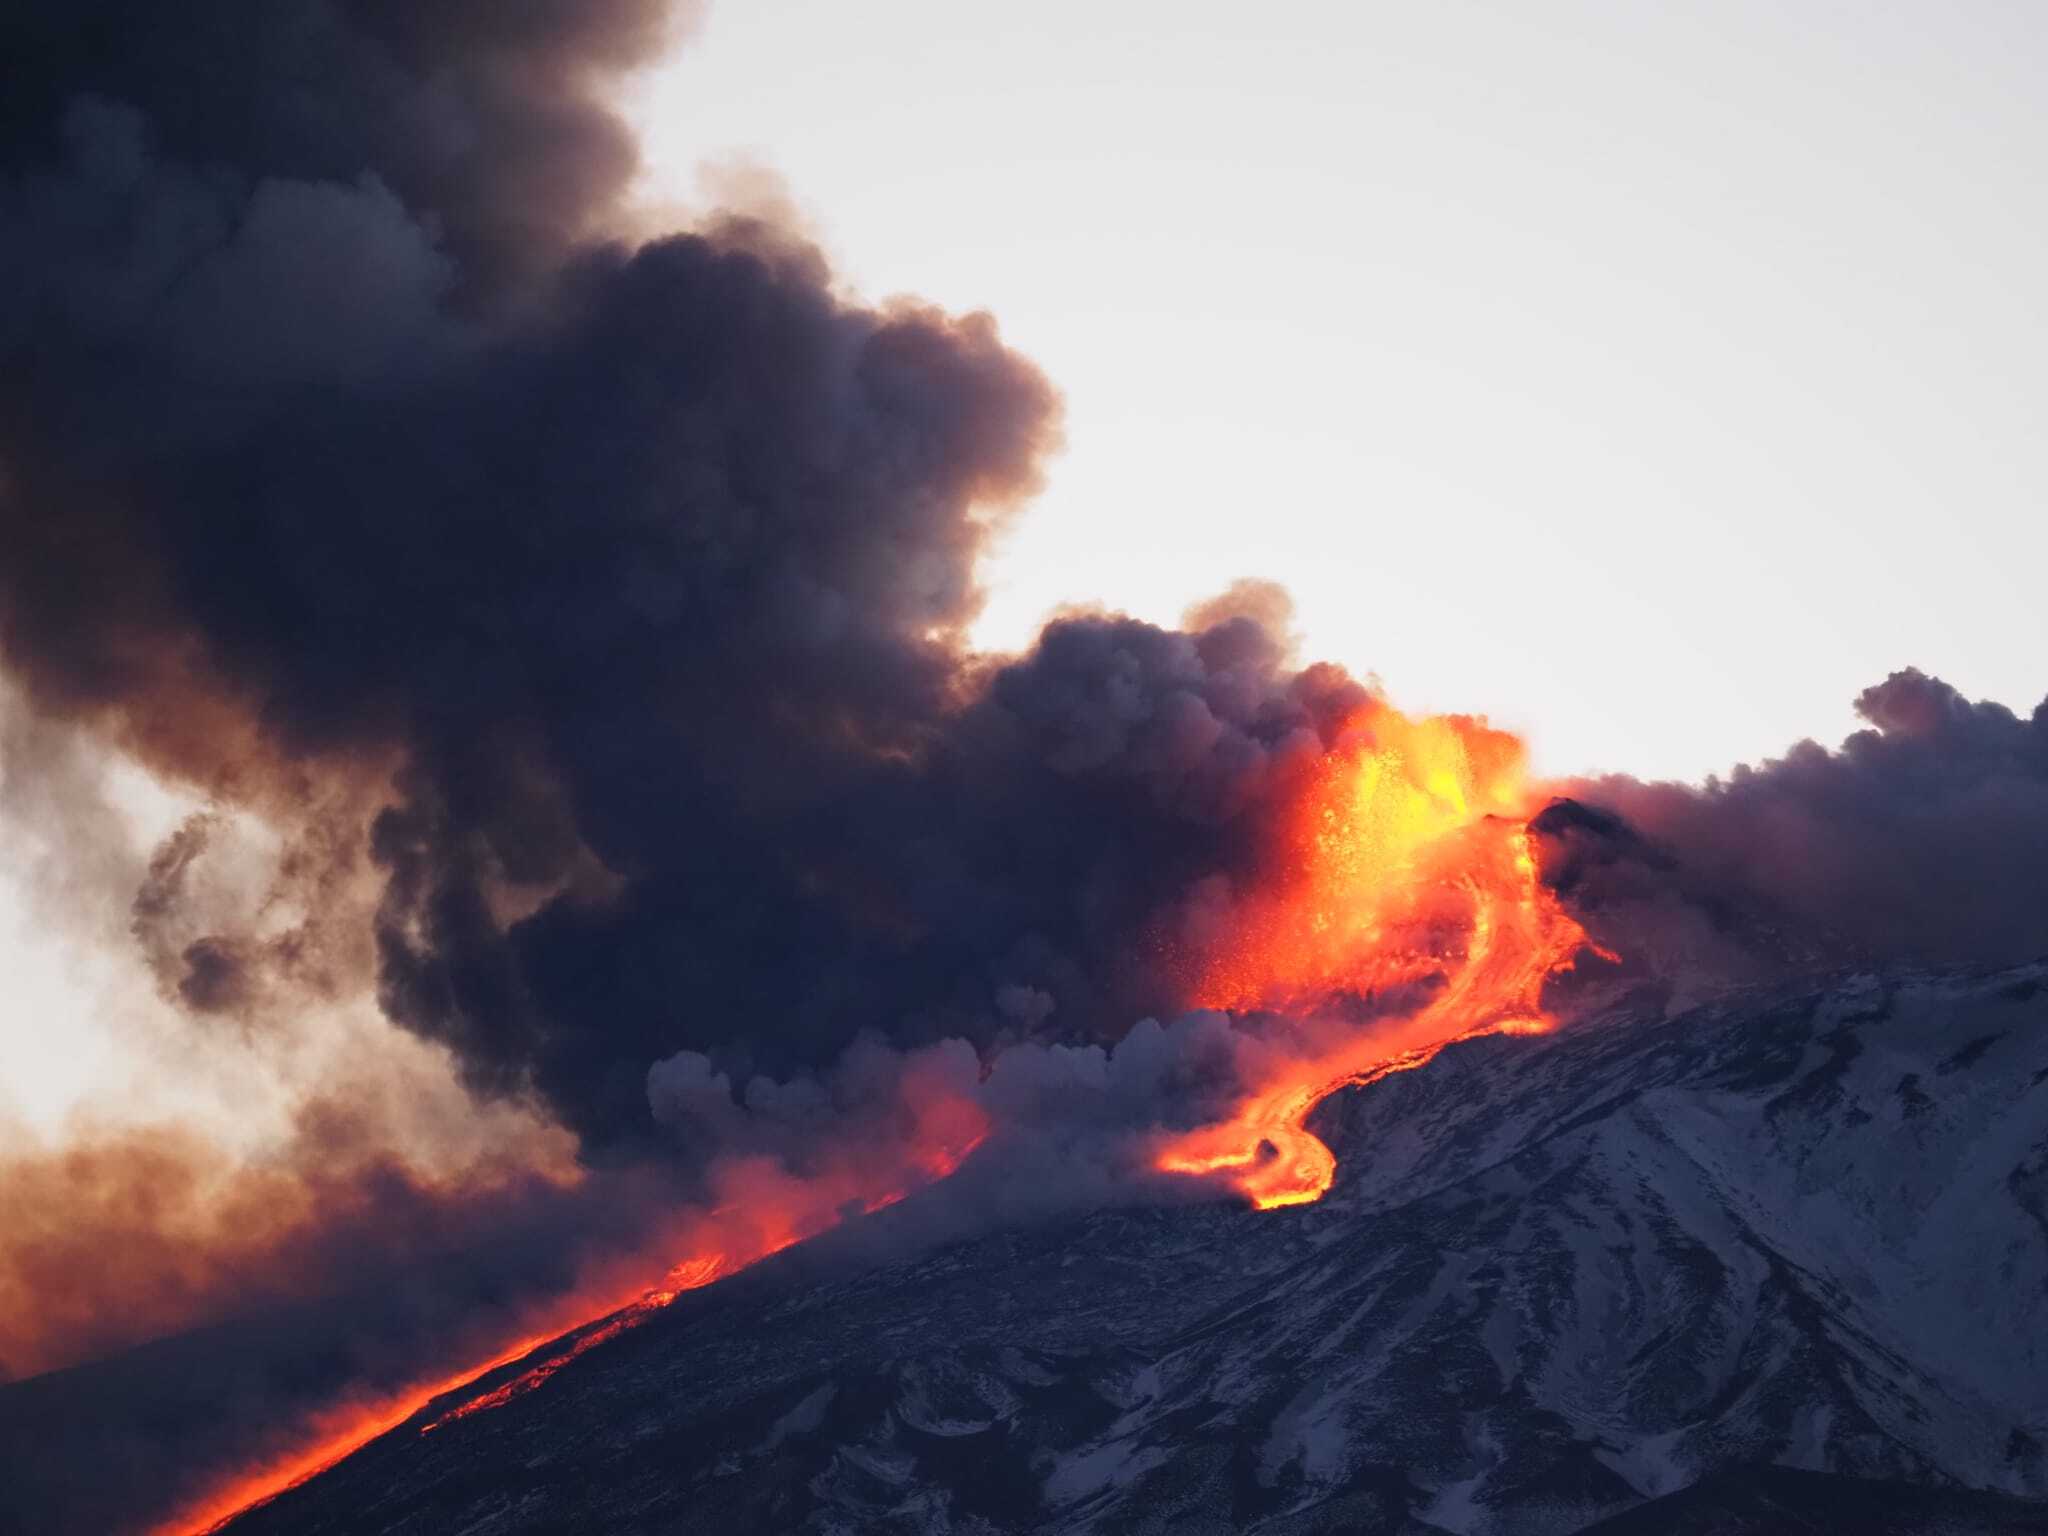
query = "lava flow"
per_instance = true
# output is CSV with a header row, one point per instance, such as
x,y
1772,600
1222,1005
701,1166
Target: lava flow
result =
x,y
1407,874
764,1209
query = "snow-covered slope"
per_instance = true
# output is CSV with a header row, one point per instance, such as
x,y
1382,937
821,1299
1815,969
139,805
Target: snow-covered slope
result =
x,y
1558,1278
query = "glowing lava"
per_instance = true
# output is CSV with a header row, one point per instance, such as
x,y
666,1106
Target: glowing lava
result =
x,y
333,1435
764,1209
934,1163
1406,870
690,1276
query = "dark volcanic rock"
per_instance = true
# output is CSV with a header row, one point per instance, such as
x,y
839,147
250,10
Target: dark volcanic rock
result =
x,y
1782,1501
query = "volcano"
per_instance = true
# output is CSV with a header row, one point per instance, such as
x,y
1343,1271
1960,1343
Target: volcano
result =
x,y
1775,1262
588,991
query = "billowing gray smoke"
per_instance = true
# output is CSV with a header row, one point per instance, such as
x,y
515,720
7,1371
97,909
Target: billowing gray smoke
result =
x,y
1923,838
602,602
332,446
338,440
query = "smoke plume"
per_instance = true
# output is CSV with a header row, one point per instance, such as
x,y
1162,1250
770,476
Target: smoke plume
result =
x,y
1919,839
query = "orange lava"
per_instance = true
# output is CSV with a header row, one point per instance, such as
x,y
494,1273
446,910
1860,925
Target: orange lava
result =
x,y
766,1209
934,1161
328,1439
1407,866
684,1277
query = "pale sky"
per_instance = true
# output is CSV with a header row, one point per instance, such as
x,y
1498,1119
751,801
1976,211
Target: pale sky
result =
x,y
1651,377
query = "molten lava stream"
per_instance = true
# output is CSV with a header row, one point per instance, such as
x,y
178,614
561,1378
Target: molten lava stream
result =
x,y
1408,864
780,1210
339,1433
330,1438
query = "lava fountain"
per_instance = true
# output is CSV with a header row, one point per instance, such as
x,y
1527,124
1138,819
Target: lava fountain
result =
x,y
1405,872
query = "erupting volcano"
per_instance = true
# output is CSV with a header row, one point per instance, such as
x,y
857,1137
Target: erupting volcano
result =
x,y
1406,873
1399,884
600,955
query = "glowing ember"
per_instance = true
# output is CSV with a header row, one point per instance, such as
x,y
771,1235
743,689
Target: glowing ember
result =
x,y
1407,865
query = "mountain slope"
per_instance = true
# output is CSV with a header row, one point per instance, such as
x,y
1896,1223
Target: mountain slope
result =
x,y
1779,1501
1558,1277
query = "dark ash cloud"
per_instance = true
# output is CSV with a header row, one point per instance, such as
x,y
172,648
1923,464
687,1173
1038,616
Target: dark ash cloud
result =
x,y
1920,839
